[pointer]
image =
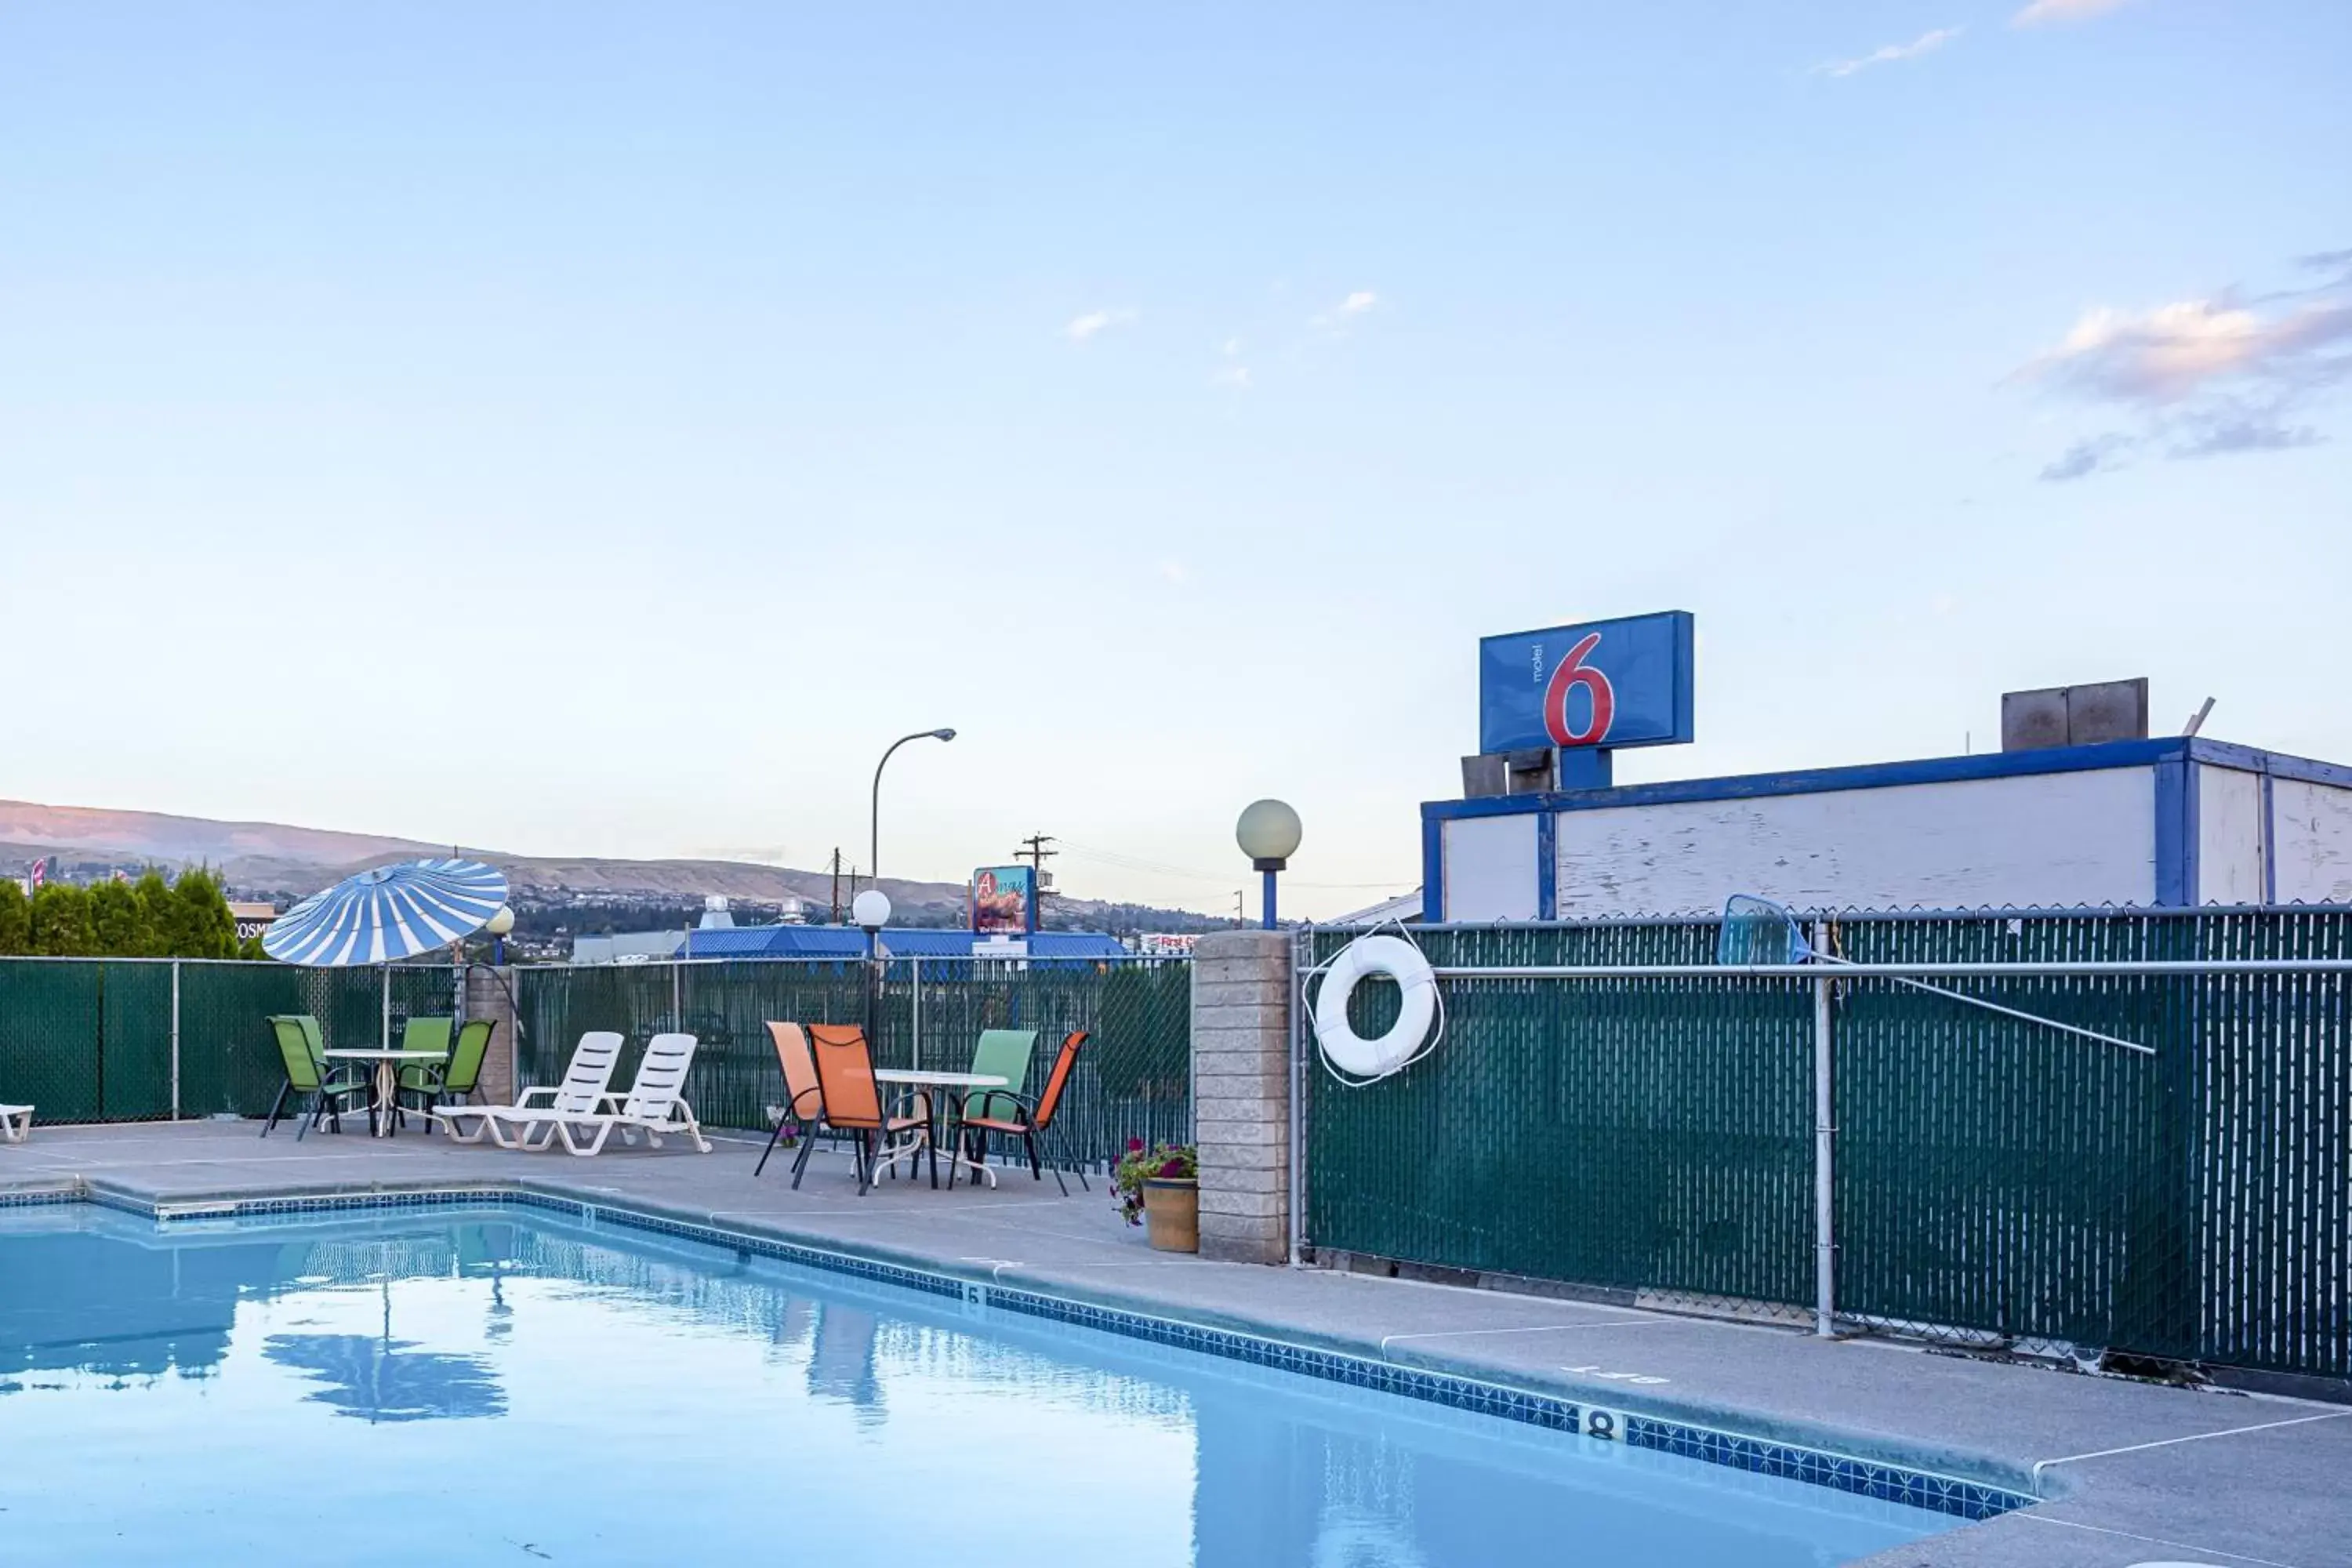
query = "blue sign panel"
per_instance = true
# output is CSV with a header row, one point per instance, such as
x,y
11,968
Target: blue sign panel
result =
x,y
1605,683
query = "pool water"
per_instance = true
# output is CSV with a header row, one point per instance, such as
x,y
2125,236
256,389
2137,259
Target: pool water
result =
x,y
498,1387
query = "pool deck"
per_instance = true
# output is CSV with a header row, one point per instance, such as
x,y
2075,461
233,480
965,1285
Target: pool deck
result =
x,y
2136,1474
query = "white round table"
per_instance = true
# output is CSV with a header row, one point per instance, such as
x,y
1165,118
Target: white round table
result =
x,y
923,1077
387,1077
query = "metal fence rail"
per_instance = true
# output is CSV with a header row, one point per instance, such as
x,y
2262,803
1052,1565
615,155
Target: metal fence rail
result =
x,y
1992,1180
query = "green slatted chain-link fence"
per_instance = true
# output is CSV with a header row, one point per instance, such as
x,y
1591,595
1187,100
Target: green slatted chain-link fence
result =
x,y
1993,1180
141,1039
1133,1077
148,1039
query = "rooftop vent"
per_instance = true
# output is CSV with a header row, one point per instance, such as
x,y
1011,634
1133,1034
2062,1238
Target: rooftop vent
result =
x,y
2073,715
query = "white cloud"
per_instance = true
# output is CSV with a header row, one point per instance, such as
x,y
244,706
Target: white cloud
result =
x,y
1356,305
1927,42
1232,348
1084,329
2041,11
2176,352
1236,376
1174,572
2202,377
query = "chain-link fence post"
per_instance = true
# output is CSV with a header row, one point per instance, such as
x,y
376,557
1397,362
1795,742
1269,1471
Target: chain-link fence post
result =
x,y
914,967
1302,960
175,1039
1825,1152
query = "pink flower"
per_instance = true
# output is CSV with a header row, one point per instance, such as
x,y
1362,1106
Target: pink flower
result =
x,y
1173,1168
1134,1145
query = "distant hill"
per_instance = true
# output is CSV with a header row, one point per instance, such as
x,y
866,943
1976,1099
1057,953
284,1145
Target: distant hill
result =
x,y
269,859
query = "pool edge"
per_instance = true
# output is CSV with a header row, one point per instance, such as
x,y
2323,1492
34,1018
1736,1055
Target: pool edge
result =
x,y
1824,1459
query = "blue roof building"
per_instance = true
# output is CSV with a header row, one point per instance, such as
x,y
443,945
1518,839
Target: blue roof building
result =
x,y
848,942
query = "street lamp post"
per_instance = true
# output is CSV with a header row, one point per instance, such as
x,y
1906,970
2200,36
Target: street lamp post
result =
x,y
1268,832
874,811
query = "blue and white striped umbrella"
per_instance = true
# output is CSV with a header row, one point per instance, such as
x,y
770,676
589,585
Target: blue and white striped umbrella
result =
x,y
387,913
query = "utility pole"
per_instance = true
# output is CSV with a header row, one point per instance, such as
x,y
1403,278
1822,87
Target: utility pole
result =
x,y
1239,918
836,884
1032,849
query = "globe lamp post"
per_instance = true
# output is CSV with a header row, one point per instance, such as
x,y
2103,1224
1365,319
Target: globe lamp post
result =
x,y
500,924
1268,832
871,911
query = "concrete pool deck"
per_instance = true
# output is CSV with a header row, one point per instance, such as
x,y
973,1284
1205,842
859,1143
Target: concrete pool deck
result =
x,y
2136,1474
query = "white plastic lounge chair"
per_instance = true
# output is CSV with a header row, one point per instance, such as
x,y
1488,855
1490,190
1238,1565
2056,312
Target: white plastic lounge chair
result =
x,y
584,1088
655,1104
15,1122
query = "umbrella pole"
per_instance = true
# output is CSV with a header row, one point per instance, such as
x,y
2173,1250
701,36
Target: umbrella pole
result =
x,y
387,1008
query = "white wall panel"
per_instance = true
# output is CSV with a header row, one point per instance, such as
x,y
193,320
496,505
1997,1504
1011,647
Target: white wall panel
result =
x,y
2039,839
2229,835
1490,868
2312,823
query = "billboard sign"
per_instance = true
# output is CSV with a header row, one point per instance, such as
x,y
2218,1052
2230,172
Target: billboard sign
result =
x,y
1603,683
1004,901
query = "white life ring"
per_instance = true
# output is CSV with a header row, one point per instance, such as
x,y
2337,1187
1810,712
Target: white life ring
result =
x,y
1399,961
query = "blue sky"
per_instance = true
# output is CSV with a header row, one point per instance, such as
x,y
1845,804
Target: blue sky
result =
x,y
1167,399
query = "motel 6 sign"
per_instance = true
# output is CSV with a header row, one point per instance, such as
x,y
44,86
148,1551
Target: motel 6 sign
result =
x,y
1602,684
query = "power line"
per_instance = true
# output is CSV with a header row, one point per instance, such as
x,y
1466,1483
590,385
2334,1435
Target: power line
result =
x,y
1137,863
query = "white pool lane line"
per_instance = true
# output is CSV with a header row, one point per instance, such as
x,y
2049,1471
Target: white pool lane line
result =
x,y
1388,1340
2041,1464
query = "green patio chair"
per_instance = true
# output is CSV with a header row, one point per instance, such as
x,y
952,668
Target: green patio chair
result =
x,y
332,1073
299,1047
457,1079
1001,1053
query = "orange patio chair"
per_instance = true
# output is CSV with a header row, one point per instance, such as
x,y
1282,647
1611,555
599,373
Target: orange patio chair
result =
x,y
1000,1112
804,1099
852,1101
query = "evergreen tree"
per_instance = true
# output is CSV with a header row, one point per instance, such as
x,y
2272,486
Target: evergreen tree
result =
x,y
118,922
16,919
61,920
200,924
155,909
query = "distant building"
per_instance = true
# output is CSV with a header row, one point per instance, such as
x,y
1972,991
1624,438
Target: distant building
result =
x,y
252,919
848,942
1166,944
627,947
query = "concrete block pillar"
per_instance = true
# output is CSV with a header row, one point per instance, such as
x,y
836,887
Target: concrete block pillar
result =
x,y
486,997
1241,1093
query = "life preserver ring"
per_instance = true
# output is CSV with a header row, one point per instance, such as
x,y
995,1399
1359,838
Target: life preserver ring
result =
x,y
1399,961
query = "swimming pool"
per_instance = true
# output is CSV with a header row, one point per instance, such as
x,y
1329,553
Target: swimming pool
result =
x,y
501,1385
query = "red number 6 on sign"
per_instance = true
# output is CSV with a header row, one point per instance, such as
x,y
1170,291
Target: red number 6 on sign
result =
x,y
1573,672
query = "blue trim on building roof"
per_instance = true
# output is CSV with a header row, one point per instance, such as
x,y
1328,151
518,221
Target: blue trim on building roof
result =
x,y
1815,781
2271,765
1887,775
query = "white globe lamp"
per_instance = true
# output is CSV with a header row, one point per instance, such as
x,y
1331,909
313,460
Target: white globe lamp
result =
x,y
1268,832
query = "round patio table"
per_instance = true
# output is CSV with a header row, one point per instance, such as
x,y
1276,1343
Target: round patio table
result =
x,y
387,1077
923,1077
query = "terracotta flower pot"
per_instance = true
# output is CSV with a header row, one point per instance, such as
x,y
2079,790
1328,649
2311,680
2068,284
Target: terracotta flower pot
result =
x,y
1172,1213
